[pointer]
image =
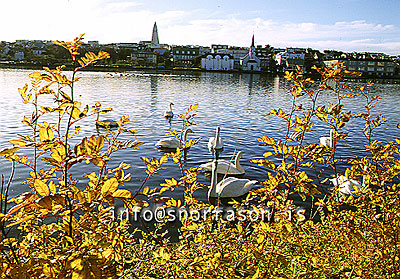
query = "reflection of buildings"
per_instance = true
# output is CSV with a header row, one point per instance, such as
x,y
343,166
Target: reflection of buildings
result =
x,y
153,90
154,84
217,76
276,84
251,79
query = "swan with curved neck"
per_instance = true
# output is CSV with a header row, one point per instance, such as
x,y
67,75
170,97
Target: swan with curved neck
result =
x,y
226,167
215,143
350,187
327,141
169,114
230,187
172,142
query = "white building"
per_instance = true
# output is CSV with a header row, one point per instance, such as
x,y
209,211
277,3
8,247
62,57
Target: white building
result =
x,y
251,62
236,53
216,61
290,59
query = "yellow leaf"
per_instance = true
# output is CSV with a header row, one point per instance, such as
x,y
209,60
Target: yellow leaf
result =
x,y
17,142
267,154
163,160
26,121
41,187
8,151
76,113
109,186
100,142
257,273
58,153
46,134
77,264
193,107
52,187
260,239
92,145
98,162
122,194
17,207
266,140
36,75
26,218
107,253
48,271
22,91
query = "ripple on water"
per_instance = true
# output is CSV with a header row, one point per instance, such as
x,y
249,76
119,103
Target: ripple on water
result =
x,y
239,104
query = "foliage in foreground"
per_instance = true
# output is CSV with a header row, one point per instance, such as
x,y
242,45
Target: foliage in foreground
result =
x,y
354,236
62,229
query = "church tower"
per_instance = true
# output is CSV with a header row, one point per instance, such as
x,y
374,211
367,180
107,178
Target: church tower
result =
x,y
154,38
251,62
252,52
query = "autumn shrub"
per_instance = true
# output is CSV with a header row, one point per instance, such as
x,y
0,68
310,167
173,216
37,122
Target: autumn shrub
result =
x,y
345,236
62,229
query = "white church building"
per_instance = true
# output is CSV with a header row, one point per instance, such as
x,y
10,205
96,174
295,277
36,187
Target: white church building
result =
x,y
251,62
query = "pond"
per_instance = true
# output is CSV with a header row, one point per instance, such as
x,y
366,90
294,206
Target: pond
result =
x,y
238,103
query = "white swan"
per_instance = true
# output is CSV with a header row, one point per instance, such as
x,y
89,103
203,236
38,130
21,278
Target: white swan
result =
x,y
327,141
226,167
107,123
349,187
169,114
215,143
172,142
230,187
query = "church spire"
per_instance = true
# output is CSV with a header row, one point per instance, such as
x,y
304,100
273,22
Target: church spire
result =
x,y
252,51
154,38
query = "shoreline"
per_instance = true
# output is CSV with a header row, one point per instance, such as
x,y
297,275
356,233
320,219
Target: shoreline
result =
x,y
122,69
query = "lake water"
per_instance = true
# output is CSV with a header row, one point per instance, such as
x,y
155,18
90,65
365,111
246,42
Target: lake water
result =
x,y
238,103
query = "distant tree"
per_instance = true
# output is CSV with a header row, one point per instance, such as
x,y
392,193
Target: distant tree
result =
x,y
197,61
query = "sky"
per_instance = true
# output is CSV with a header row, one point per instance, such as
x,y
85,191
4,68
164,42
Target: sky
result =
x,y
345,25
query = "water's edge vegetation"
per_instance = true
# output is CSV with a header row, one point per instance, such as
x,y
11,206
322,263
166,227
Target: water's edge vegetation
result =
x,y
60,230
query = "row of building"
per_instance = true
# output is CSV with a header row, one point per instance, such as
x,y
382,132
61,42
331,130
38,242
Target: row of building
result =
x,y
255,58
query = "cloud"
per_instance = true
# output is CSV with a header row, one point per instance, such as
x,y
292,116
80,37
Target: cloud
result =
x,y
347,36
131,21
120,7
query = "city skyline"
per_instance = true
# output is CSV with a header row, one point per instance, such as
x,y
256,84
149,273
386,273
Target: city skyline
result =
x,y
351,25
